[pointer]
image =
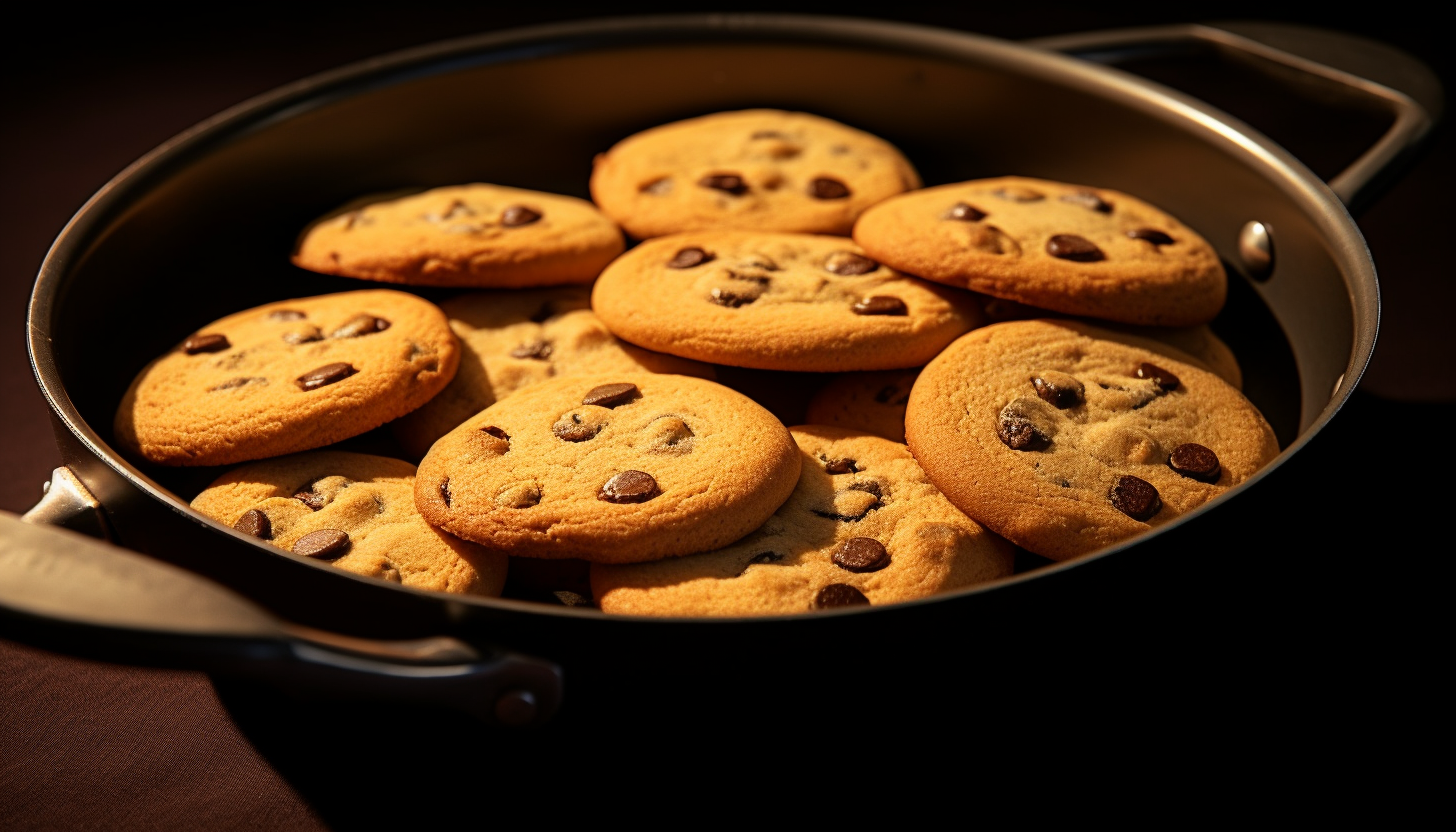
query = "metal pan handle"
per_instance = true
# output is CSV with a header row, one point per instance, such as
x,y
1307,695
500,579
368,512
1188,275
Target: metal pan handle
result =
x,y
65,590
1350,66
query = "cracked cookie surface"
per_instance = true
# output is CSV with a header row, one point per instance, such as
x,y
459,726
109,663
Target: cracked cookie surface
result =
x,y
288,376
1068,248
510,340
1066,438
863,526
768,170
465,235
616,468
355,512
777,302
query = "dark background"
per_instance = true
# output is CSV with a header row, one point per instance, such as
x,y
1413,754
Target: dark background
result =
x,y
86,743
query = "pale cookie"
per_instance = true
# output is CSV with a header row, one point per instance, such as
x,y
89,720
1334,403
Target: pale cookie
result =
x,y
766,170
354,511
465,235
618,468
510,340
777,302
286,377
1066,438
869,402
1068,248
864,526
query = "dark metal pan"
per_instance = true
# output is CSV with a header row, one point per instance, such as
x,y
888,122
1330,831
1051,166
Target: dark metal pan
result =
x,y
201,227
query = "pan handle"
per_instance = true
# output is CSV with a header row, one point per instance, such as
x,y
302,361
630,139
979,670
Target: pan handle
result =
x,y
68,591
1351,67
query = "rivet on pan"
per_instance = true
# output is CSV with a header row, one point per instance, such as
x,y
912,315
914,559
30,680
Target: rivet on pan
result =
x,y
516,707
1256,249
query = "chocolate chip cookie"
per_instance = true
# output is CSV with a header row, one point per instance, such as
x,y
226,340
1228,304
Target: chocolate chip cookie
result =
x,y
513,339
1069,248
766,170
870,402
1066,438
777,302
465,235
617,468
864,526
288,376
354,511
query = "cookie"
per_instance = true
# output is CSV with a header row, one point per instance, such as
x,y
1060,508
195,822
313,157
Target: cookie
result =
x,y
870,402
766,170
1066,438
354,511
777,302
1069,248
864,526
613,469
510,340
286,377
465,235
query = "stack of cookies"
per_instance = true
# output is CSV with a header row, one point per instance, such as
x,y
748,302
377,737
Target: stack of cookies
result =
x,y
1016,363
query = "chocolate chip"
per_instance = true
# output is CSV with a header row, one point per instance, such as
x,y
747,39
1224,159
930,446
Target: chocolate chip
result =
x,y
1060,393
1137,498
868,486
360,325
516,216
827,188
1089,200
1166,381
496,432
539,350
575,431
325,544
255,523
750,278
849,264
731,299
286,315
1193,460
1072,247
1015,193
841,466
303,336
205,343
880,305
611,395
445,491
1151,235
966,213
689,257
327,374
629,487
766,557
310,498
862,554
839,595
730,183
1019,434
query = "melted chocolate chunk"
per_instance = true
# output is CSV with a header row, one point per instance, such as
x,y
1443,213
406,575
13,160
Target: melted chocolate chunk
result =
x,y
445,491
325,544
360,325
965,213
1015,193
689,257
539,350
849,264
1195,461
1137,498
1019,434
286,315
496,432
310,498
880,305
862,554
1090,201
205,343
303,336
611,395
728,183
629,487
841,466
1166,381
1074,248
826,188
255,523
731,299
839,595
1151,235
516,216
325,375
1059,394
